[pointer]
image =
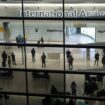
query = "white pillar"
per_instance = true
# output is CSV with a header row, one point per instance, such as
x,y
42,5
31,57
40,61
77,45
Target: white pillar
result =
x,y
87,53
7,36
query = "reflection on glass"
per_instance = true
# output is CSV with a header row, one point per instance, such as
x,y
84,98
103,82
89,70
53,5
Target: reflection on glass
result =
x,y
43,82
15,100
73,84
83,102
13,81
88,85
12,57
45,101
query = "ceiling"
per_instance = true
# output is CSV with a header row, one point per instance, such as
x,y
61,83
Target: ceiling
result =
x,y
54,1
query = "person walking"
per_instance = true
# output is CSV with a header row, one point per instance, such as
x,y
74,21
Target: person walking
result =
x,y
13,58
33,54
103,60
73,88
43,58
96,59
70,62
9,61
4,58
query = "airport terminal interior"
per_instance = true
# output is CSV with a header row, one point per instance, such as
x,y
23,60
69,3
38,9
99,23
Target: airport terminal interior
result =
x,y
52,52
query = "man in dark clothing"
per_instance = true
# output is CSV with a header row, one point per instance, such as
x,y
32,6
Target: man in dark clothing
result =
x,y
73,88
53,90
46,101
9,61
33,54
13,58
43,58
68,52
70,61
96,58
4,58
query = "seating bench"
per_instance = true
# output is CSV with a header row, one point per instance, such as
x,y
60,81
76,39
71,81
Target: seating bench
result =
x,y
40,75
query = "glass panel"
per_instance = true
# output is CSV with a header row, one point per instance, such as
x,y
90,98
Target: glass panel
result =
x,y
14,100
36,100
46,101
11,31
16,31
88,85
46,32
77,82
85,57
51,59
46,83
84,102
12,56
80,32
12,81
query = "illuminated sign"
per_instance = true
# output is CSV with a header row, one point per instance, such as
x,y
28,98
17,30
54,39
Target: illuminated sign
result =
x,y
55,13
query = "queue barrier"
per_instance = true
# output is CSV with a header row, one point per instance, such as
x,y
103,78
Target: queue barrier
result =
x,y
54,56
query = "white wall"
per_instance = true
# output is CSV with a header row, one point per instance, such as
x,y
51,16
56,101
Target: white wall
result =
x,y
16,29
100,34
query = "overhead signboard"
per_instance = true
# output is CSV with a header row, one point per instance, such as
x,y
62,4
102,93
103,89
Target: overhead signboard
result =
x,y
53,10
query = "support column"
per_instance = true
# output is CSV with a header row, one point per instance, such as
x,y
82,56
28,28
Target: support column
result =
x,y
6,32
87,53
6,36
